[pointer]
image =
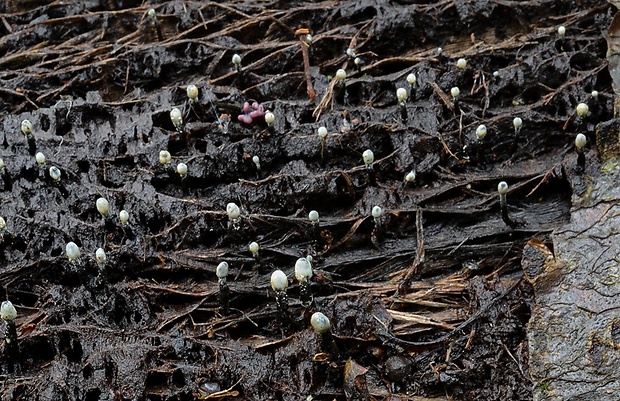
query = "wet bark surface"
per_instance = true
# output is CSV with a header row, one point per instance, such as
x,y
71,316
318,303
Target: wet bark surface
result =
x,y
429,303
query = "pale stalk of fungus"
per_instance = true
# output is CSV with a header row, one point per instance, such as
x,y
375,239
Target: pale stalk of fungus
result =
x,y
73,253
412,79
369,159
279,283
582,110
103,206
26,127
221,271
270,118
517,123
455,92
177,119
377,213
410,177
55,173
322,132
101,258
341,76
236,60
256,161
234,215
8,313
153,16
401,95
123,216
254,248
561,31
192,92
164,157
303,274
461,64
40,158
313,216
481,131
502,190
322,326
580,143
182,170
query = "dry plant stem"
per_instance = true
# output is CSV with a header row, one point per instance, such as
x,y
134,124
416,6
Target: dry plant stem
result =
x,y
304,52
419,258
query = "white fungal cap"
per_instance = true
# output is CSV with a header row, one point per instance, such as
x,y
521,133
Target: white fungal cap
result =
x,y
561,30
309,38
7,311
73,252
502,188
496,73
256,161
341,75
368,157
580,141
582,109
455,92
517,123
313,216
357,61
320,323
55,173
176,117
594,94
377,212
192,92
439,51
401,94
152,13
2,224
412,79
100,256
322,131
232,210
236,59
123,215
1,163
164,157
182,169
221,271
26,127
269,118
279,282
410,177
103,206
40,158
461,64
303,269
350,52
253,247
481,131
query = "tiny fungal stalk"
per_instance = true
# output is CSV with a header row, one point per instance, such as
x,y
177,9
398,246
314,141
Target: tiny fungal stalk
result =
x,y
234,216
224,294
279,283
580,143
502,190
377,214
101,259
177,119
153,16
402,95
303,274
8,313
313,216
322,326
